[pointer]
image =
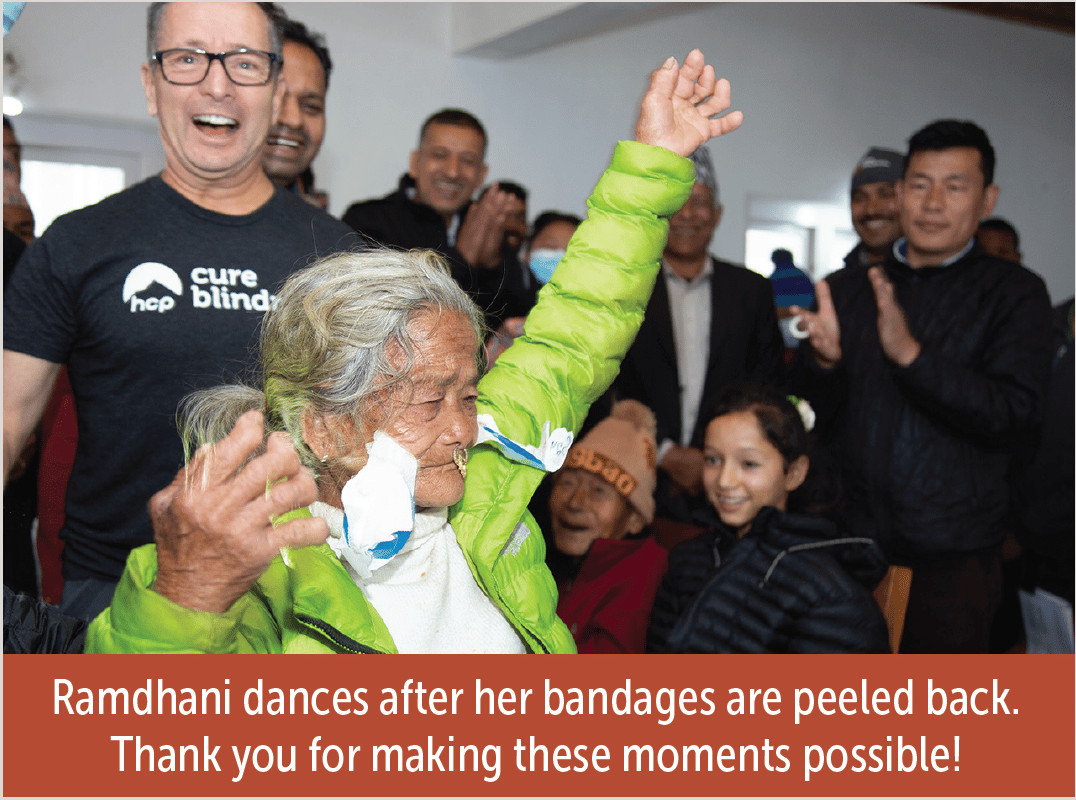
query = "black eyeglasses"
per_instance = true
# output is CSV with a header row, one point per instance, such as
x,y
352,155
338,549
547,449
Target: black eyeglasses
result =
x,y
186,67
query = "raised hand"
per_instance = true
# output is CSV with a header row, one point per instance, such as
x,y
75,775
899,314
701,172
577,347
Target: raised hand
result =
x,y
897,341
482,231
822,326
213,523
676,110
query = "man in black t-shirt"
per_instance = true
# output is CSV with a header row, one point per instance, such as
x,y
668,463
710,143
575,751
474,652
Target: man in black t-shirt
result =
x,y
158,290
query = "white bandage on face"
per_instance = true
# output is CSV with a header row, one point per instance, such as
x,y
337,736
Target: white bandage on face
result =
x,y
379,506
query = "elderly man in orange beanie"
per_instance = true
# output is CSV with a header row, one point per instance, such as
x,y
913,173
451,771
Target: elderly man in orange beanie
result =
x,y
601,504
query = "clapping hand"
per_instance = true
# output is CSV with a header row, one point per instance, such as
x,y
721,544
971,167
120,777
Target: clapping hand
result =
x,y
481,233
823,328
898,344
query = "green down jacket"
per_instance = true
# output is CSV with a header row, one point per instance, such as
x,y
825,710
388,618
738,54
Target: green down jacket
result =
x,y
585,320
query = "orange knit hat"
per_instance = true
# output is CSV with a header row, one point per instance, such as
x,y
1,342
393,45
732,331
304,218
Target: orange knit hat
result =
x,y
622,449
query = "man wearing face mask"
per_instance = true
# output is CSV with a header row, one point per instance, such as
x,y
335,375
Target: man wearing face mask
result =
x,y
548,241
709,322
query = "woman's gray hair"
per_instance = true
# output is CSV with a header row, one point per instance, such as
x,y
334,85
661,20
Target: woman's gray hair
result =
x,y
328,345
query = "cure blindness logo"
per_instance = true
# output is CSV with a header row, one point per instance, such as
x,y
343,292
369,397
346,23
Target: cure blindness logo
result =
x,y
143,277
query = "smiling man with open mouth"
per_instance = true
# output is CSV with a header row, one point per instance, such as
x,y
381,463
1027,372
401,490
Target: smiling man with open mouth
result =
x,y
212,84
160,288
299,127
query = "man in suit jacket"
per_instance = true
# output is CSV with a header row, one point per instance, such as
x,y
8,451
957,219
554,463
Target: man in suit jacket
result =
x,y
708,323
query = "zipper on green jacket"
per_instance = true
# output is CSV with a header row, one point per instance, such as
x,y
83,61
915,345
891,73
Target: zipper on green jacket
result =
x,y
337,638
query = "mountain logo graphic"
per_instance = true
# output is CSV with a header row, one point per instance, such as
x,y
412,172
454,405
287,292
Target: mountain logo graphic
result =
x,y
144,276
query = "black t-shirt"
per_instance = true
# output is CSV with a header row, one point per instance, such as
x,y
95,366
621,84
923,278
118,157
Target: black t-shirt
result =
x,y
147,297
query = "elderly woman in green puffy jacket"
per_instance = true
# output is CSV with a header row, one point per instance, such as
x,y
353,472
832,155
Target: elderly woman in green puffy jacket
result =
x,y
351,527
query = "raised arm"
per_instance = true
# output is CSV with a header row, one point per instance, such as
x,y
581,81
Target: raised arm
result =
x,y
589,313
677,110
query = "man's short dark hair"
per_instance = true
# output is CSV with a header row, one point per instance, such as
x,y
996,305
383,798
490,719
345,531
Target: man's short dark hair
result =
x,y
946,133
1003,225
511,187
457,117
547,218
297,32
276,15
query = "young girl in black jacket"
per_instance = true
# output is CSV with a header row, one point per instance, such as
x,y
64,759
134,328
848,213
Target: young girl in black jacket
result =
x,y
764,580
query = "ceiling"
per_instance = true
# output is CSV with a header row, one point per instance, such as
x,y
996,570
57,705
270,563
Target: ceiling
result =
x,y
1052,16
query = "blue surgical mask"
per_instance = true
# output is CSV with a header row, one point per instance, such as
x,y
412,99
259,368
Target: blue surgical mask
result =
x,y
543,262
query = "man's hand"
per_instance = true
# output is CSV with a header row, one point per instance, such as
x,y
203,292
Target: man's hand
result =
x,y
676,110
481,233
213,524
897,341
823,328
684,465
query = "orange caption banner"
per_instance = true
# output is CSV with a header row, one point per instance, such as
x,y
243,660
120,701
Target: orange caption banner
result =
x,y
670,725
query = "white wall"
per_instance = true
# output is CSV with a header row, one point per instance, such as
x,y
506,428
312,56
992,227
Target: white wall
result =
x,y
818,84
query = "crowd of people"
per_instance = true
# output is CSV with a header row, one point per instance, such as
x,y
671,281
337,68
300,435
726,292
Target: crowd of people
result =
x,y
444,429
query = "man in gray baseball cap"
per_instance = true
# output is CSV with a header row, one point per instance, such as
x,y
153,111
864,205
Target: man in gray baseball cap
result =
x,y
875,213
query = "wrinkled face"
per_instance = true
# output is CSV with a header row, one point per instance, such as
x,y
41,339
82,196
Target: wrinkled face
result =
x,y
299,128
430,416
437,413
876,214
448,167
999,244
691,228
744,472
213,132
515,224
943,197
585,507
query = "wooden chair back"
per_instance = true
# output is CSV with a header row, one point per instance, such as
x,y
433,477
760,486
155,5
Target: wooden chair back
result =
x,y
892,597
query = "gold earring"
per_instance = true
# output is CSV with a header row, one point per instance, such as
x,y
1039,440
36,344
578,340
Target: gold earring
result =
x,y
459,457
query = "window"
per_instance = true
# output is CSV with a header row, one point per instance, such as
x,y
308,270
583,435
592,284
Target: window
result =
x,y
817,234
53,188
68,164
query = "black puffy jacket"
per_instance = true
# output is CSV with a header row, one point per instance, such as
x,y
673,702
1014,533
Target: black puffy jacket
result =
x,y
31,626
792,584
925,449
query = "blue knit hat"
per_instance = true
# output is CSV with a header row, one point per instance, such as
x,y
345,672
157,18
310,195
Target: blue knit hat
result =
x,y
791,286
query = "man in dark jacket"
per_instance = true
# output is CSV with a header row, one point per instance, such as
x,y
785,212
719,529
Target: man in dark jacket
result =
x,y
930,367
708,323
432,209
